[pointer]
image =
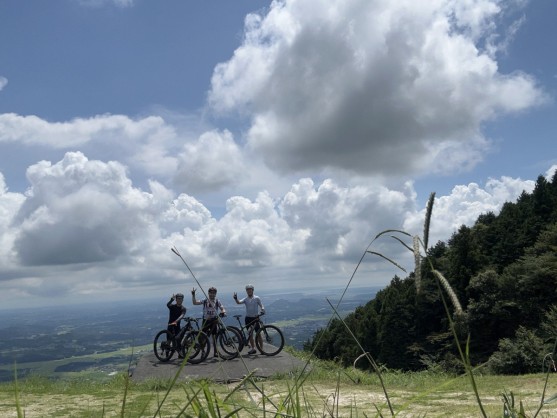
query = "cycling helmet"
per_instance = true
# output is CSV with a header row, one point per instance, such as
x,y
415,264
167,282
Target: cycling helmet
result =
x,y
249,286
179,296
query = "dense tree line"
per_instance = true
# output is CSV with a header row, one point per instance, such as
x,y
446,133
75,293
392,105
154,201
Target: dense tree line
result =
x,y
503,270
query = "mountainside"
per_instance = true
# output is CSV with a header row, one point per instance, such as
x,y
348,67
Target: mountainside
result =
x,y
502,270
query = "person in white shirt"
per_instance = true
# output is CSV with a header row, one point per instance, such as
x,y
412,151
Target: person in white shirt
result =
x,y
254,307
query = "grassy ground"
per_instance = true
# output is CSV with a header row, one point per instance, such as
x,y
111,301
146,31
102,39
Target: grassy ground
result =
x,y
327,391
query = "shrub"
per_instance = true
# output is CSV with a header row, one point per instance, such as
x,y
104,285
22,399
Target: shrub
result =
x,y
519,355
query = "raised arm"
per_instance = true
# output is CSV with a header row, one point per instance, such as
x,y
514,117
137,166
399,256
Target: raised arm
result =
x,y
236,299
193,299
222,308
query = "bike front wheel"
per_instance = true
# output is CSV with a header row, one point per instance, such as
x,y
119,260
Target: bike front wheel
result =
x,y
269,340
196,346
228,340
164,345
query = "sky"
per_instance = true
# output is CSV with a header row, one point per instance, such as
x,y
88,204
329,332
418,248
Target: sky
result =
x,y
268,142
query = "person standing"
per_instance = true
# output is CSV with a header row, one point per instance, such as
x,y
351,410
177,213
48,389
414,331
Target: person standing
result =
x,y
211,306
176,311
254,308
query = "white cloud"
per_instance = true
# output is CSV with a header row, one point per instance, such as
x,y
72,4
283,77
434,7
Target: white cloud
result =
x,y
350,95
551,172
100,3
370,87
211,163
465,204
3,82
81,211
83,228
339,220
150,144
32,130
9,206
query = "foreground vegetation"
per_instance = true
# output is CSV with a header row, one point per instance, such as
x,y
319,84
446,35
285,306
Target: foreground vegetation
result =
x,y
328,390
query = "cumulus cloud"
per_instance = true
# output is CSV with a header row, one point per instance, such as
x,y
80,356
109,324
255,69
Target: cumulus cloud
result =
x,y
355,94
339,220
369,86
10,204
3,82
83,228
32,130
100,3
203,163
81,211
212,162
465,204
551,172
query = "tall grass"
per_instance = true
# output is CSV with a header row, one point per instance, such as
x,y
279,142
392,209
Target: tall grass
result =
x,y
253,398
329,391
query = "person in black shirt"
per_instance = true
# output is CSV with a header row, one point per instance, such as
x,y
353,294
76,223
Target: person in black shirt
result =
x,y
176,312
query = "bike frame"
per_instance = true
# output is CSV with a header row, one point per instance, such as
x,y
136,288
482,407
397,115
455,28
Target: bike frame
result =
x,y
244,328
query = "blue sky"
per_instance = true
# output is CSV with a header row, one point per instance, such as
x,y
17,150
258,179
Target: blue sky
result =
x,y
268,141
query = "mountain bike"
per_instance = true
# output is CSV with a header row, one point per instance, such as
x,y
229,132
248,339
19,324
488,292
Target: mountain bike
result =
x,y
269,339
193,323
227,339
189,342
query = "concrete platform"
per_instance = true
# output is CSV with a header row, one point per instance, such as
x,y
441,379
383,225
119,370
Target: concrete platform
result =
x,y
217,370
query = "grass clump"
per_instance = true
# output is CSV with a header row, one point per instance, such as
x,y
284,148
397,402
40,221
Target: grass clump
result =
x,y
329,390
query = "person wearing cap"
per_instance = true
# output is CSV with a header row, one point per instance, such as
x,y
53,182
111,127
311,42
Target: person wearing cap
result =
x,y
211,306
254,308
176,312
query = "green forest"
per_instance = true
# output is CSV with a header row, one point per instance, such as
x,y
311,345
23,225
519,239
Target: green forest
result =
x,y
503,271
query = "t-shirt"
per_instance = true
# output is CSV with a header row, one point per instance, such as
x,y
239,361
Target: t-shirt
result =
x,y
175,311
210,309
251,305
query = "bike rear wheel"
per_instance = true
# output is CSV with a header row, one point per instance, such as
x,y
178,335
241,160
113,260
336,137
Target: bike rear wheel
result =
x,y
269,340
228,341
164,345
196,346
240,341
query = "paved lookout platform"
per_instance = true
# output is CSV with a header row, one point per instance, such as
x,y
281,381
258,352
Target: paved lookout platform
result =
x,y
222,371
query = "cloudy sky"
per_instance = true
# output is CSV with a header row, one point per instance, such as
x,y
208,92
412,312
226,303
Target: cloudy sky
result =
x,y
268,141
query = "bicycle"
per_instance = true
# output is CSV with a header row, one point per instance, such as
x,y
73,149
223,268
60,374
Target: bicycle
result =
x,y
269,339
193,322
189,342
227,339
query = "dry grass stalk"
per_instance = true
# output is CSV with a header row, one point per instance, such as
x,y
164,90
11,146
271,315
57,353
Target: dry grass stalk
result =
x,y
417,264
427,222
445,283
